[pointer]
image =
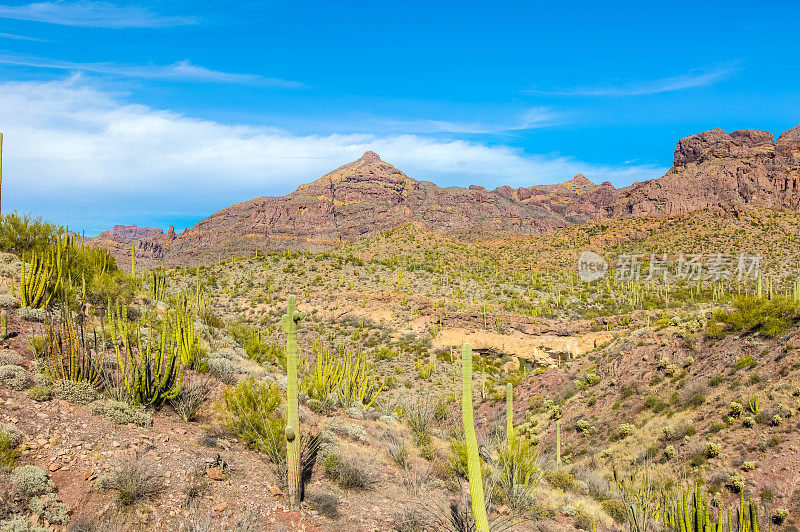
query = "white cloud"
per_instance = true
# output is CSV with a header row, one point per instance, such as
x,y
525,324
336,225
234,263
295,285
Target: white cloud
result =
x,y
92,14
690,80
80,155
16,37
181,70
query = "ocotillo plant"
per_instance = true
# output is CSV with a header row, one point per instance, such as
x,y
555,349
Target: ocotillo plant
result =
x,y
473,459
290,320
509,413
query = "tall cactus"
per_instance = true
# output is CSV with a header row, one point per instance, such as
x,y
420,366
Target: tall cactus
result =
x,y
473,460
3,326
290,320
133,259
509,413
558,443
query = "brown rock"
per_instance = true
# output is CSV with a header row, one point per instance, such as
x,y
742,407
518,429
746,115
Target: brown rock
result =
x,y
215,473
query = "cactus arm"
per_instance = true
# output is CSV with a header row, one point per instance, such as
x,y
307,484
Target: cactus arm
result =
x,y
473,460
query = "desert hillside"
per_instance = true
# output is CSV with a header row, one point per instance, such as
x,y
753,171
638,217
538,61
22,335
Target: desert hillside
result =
x,y
655,383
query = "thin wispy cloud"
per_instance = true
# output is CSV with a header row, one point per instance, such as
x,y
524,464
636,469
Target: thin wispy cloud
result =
x,y
21,37
74,152
690,80
179,71
531,119
92,14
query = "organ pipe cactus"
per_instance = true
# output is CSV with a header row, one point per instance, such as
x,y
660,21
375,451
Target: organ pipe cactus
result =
x,y
473,459
292,432
752,402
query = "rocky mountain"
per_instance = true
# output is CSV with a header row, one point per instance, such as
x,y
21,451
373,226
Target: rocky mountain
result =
x,y
734,171
711,169
356,200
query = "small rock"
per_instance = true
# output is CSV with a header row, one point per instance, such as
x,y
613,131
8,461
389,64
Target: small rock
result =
x,y
215,473
275,491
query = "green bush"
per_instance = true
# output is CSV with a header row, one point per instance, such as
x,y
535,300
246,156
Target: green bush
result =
x,y
29,481
23,234
250,410
349,473
40,393
616,509
562,480
133,481
518,471
123,413
256,348
13,376
9,443
770,317
19,523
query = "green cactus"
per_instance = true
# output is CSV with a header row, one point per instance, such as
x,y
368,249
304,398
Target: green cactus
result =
x,y
1,172
509,413
3,326
558,443
473,459
133,259
292,432
151,372
37,286
752,402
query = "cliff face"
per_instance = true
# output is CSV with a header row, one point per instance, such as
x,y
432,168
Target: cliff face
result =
x,y
355,200
714,169
711,169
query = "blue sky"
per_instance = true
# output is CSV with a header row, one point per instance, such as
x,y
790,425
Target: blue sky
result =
x,y
163,112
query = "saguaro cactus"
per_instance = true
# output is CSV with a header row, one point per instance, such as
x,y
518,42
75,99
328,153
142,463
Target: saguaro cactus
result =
x,y
290,320
3,326
509,413
133,259
473,460
558,443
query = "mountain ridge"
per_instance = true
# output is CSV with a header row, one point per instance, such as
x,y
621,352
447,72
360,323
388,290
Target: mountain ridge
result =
x,y
712,169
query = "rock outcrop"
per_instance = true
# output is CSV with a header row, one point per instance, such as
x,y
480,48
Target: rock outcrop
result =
x,y
733,172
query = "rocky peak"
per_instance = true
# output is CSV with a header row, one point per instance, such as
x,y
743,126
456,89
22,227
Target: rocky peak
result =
x,y
791,134
370,156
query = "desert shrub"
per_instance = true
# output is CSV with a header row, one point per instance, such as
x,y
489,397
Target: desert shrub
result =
x,y
79,392
770,317
419,418
190,400
19,523
348,473
29,481
50,509
517,471
410,520
9,443
114,286
10,358
124,413
616,509
40,393
256,348
561,479
250,410
23,234
397,450
748,465
325,504
13,376
583,519
132,481
222,368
